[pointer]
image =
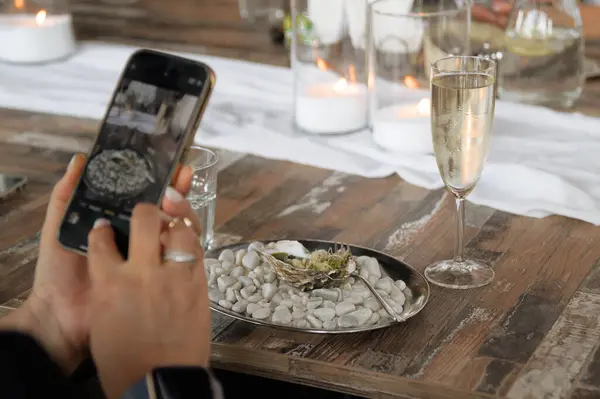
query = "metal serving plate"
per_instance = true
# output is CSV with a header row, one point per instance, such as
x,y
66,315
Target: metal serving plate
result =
x,y
416,298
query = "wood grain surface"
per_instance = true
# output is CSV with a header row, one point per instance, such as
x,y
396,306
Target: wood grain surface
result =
x,y
533,333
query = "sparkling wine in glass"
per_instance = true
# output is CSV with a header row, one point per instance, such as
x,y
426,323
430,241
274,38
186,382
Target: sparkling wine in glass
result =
x,y
462,117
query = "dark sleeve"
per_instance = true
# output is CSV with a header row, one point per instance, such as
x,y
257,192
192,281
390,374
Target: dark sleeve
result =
x,y
27,371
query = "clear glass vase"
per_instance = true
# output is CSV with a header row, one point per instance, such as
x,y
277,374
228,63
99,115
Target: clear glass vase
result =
x,y
543,60
35,31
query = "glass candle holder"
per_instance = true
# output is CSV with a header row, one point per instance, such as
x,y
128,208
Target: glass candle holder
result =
x,y
329,63
404,40
35,31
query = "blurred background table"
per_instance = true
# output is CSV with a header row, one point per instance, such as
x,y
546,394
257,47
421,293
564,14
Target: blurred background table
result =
x,y
533,333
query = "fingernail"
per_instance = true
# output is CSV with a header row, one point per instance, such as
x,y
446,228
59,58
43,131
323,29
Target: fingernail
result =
x,y
72,162
101,223
173,195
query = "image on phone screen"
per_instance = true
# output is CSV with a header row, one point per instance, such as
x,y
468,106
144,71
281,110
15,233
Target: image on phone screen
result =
x,y
132,158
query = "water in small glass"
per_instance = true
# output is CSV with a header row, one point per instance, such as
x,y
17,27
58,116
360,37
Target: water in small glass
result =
x,y
204,205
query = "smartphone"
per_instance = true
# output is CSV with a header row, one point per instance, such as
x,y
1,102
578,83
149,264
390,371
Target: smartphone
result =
x,y
148,127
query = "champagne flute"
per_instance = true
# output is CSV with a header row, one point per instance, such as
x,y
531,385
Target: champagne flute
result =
x,y
462,117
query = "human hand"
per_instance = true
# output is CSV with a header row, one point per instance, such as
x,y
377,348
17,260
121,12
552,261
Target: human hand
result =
x,y
146,312
57,310
497,15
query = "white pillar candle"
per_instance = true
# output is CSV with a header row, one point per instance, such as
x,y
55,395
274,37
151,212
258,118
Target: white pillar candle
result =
x,y
404,128
29,39
327,108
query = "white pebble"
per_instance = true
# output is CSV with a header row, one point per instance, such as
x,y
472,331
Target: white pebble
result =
x,y
269,290
373,280
364,272
330,295
355,299
400,284
237,271
225,304
280,307
361,315
382,293
299,308
254,298
255,245
329,304
219,271
277,298
264,303
256,282
238,296
330,325
252,307
351,280
227,256
212,279
225,282
314,303
284,295
213,268
287,302
240,306
296,298
373,267
382,312
297,315
325,314
361,260
215,295
269,277
385,284
314,322
227,267
372,303
261,313
230,295
305,300
400,299
238,256
236,286
250,260
300,323
347,321
210,261
374,319
395,305
246,292
343,308
282,317
245,281
346,287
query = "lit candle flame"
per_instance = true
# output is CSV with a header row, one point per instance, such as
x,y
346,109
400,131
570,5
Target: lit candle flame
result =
x,y
322,65
352,73
411,82
40,17
340,85
424,106
19,4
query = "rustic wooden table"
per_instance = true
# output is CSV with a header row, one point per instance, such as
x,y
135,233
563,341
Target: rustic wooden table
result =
x,y
533,333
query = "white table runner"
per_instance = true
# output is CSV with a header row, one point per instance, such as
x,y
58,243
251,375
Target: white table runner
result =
x,y
541,162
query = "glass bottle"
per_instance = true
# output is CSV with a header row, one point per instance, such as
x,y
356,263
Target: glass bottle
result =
x,y
543,60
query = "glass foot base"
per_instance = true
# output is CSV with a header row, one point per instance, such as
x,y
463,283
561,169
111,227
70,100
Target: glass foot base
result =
x,y
459,275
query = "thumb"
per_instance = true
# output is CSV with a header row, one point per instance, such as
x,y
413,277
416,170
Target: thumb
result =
x,y
61,193
103,255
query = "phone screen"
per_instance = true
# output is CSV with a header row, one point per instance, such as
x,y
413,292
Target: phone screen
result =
x,y
145,128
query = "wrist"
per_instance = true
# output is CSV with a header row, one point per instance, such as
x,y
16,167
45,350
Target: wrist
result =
x,y
36,320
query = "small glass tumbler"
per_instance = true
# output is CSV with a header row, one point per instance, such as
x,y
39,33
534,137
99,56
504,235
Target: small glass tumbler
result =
x,y
35,31
203,191
329,63
404,40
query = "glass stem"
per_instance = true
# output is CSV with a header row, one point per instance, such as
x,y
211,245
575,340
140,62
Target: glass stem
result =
x,y
460,230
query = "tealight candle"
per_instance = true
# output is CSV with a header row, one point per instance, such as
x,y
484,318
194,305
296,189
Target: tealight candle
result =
x,y
30,39
404,128
328,108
